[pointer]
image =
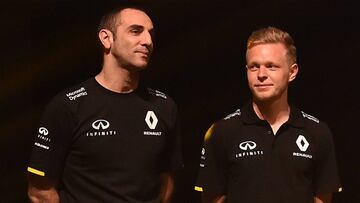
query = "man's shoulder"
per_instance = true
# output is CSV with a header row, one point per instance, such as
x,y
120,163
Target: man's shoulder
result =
x,y
312,123
224,127
72,94
231,120
156,93
159,96
232,116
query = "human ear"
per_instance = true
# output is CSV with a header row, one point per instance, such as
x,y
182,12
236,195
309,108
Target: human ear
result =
x,y
106,38
294,69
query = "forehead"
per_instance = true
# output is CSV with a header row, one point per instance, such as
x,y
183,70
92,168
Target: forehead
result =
x,y
131,16
267,51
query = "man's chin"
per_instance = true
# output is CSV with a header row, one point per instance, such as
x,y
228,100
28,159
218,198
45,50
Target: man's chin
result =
x,y
139,66
262,98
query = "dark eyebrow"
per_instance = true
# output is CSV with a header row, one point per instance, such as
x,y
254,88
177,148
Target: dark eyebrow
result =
x,y
136,26
140,27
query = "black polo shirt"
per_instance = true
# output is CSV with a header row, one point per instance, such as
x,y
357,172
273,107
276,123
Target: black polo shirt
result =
x,y
245,161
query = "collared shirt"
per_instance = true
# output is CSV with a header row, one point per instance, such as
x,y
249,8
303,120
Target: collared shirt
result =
x,y
244,160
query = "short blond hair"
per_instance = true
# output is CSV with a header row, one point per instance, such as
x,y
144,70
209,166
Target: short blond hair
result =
x,y
273,35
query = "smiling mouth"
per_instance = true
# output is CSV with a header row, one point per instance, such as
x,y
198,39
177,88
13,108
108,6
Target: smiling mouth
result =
x,y
143,53
263,85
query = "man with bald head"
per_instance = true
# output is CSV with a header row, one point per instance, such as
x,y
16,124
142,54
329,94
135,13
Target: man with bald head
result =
x,y
109,139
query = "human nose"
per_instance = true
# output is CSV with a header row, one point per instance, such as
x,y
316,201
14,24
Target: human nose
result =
x,y
262,73
146,39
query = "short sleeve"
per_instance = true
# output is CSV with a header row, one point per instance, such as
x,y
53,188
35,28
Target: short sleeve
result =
x,y
326,172
212,172
173,152
51,140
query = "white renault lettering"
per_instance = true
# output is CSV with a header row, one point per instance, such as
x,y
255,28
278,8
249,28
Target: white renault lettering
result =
x,y
303,145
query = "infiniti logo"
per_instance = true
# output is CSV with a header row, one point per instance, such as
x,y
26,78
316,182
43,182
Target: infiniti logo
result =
x,y
151,119
247,145
43,131
100,124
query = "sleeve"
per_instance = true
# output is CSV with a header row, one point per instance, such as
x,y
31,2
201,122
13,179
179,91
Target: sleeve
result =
x,y
51,140
326,172
212,172
173,152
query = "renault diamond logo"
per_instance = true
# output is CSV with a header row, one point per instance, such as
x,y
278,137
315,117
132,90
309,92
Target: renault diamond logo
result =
x,y
151,120
302,143
247,145
100,124
43,131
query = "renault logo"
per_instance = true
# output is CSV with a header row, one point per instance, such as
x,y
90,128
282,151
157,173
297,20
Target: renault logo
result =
x,y
100,124
302,143
151,119
247,145
43,131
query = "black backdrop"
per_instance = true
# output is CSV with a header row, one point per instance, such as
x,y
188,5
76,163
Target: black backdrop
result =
x,y
47,46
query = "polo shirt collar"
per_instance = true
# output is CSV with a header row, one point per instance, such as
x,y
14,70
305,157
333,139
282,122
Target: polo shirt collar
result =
x,y
249,116
296,117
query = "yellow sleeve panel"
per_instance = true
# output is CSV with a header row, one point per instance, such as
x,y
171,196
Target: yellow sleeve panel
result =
x,y
209,133
34,171
199,189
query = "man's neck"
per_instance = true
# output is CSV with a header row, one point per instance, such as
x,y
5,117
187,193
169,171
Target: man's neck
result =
x,y
118,79
275,113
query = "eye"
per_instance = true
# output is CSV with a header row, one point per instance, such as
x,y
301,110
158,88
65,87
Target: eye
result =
x,y
252,67
272,67
135,31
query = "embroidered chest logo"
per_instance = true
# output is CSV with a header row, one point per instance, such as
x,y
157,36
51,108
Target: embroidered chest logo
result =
x,y
100,127
151,121
247,145
100,124
303,145
248,149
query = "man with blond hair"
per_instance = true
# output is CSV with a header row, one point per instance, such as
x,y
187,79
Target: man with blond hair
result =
x,y
268,151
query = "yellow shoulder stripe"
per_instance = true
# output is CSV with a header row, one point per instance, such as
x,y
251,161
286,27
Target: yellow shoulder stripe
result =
x,y
209,133
37,172
199,189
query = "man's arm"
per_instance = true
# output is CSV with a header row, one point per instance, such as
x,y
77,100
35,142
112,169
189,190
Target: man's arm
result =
x,y
207,198
167,187
42,189
323,198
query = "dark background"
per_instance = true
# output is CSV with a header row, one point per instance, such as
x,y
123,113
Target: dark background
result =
x,y
199,60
